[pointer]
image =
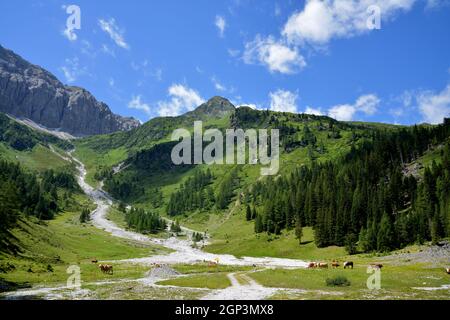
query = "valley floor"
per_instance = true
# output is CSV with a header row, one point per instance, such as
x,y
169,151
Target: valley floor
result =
x,y
171,268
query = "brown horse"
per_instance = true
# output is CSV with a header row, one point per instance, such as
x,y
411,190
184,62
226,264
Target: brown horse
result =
x,y
312,265
376,266
348,264
335,264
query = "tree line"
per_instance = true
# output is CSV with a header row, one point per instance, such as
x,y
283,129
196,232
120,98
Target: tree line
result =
x,y
144,222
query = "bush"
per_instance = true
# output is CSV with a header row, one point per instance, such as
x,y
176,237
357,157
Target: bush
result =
x,y
339,281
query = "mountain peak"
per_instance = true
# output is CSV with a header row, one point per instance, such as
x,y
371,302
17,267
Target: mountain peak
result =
x,y
216,107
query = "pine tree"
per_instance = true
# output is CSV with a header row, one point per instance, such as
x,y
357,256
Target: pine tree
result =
x,y
84,216
436,227
248,214
385,238
351,243
258,224
298,230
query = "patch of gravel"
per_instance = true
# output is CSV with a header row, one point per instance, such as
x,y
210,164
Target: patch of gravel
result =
x,y
436,255
162,272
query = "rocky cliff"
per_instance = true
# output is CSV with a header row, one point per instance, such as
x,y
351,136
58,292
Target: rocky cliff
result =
x,y
28,91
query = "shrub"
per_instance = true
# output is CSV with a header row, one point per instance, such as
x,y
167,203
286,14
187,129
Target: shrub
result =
x,y
338,281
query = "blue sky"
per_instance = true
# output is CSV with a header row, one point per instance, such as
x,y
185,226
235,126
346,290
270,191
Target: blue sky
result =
x,y
152,58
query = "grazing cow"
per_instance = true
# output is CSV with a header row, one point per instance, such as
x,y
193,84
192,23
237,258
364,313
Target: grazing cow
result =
x,y
312,265
94,261
212,264
348,264
376,266
335,264
323,265
448,270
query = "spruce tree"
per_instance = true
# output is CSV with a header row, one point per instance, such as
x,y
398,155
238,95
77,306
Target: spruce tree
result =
x,y
298,230
385,237
248,214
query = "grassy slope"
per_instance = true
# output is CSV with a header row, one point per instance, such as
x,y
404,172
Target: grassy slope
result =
x,y
63,242
39,158
94,160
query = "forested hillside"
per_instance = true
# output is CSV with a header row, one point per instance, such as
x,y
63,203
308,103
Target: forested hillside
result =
x,y
364,197
32,184
20,137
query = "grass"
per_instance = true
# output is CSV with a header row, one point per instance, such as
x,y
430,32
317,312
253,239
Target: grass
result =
x,y
94,160
39,158
209,281
397,282
117,217
236,237
203,268
63,242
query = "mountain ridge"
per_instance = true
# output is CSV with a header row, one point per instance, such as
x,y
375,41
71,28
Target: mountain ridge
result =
x,y
31,92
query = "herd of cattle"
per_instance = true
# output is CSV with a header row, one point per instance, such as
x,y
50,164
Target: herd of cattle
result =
x,y
335,264
108,269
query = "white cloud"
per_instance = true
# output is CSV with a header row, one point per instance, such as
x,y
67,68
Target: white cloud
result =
x,y
250,105
283,100
276,56
114,32
221,24
315,111
322,20
343,112
434,107
366,104
138,104
72,69
182,99
219,86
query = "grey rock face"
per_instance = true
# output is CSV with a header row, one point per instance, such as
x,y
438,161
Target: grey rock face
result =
x,y
28,91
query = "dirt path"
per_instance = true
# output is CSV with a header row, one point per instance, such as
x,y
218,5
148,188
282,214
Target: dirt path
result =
x,y
251,290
